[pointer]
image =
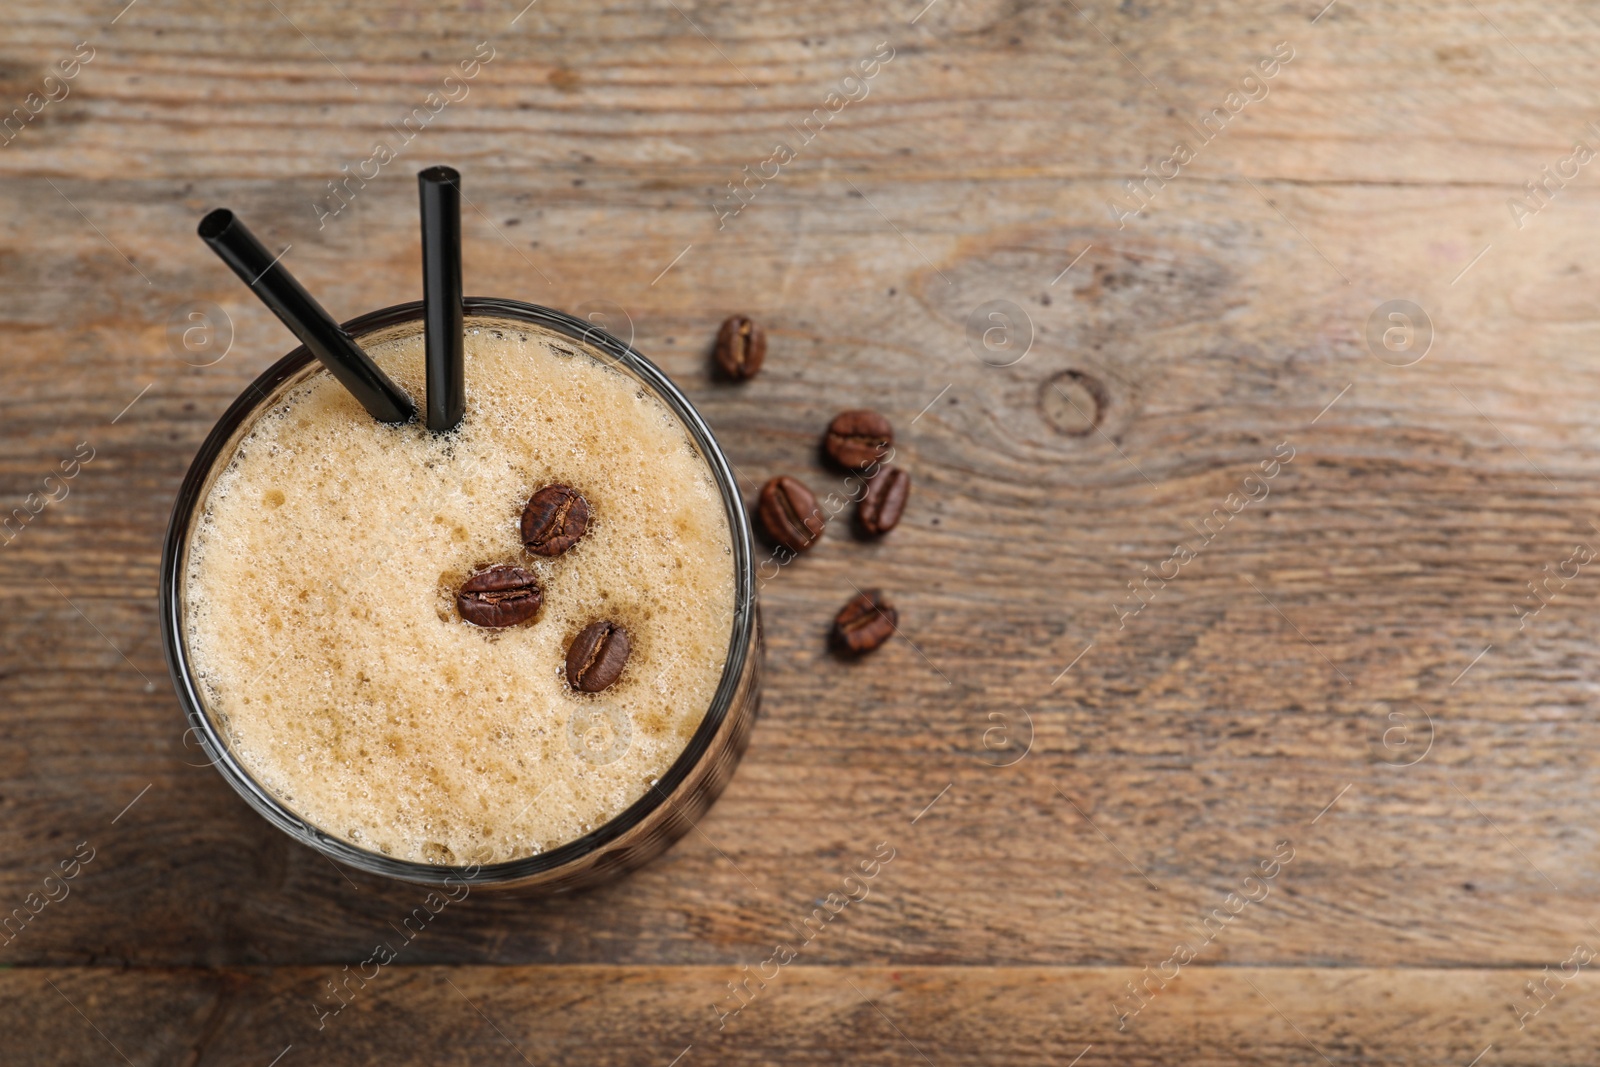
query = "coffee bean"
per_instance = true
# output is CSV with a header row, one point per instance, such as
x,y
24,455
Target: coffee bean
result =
x,y
790,514
596,656
858,439
741,348
500,596
556,516
866,622
884,500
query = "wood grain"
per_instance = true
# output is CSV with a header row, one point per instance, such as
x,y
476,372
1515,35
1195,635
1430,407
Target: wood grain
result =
x,y
808,1014
1341,666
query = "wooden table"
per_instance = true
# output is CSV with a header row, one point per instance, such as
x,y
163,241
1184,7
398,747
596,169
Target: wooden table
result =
x,y
1342,656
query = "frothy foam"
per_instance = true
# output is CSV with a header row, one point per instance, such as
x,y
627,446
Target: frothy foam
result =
x,y
320,603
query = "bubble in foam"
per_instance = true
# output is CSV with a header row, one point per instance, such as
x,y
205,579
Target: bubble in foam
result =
x,y
389,722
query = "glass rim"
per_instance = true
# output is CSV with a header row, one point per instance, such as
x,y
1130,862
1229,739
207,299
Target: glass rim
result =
x,y
192,494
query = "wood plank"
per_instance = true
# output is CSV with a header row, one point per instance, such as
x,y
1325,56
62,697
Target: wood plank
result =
x,y
1394,545
806,1014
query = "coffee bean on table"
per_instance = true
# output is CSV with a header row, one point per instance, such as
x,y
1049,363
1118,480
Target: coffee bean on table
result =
x,y
500,596
556,516
790,514
858,439
866,622
596,656
741,348
884,500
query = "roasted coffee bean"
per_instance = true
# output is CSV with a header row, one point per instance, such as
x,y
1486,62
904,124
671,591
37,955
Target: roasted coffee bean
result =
x,y
884,500
741,347
596,656
858,439
790,514
556,516
500,596
866,622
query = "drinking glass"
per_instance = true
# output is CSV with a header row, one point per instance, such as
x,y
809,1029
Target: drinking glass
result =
x,y
672,804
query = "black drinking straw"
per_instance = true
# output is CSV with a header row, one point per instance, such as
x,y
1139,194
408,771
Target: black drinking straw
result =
x,y
440,192
286,298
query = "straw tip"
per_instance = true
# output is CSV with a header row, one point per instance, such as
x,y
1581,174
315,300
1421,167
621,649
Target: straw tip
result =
x,y
215,224
440,175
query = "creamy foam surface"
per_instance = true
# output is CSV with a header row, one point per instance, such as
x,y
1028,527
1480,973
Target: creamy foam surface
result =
x,y
321,621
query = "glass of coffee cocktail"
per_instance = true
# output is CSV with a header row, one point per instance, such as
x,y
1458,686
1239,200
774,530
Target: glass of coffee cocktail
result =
x,y
524,653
